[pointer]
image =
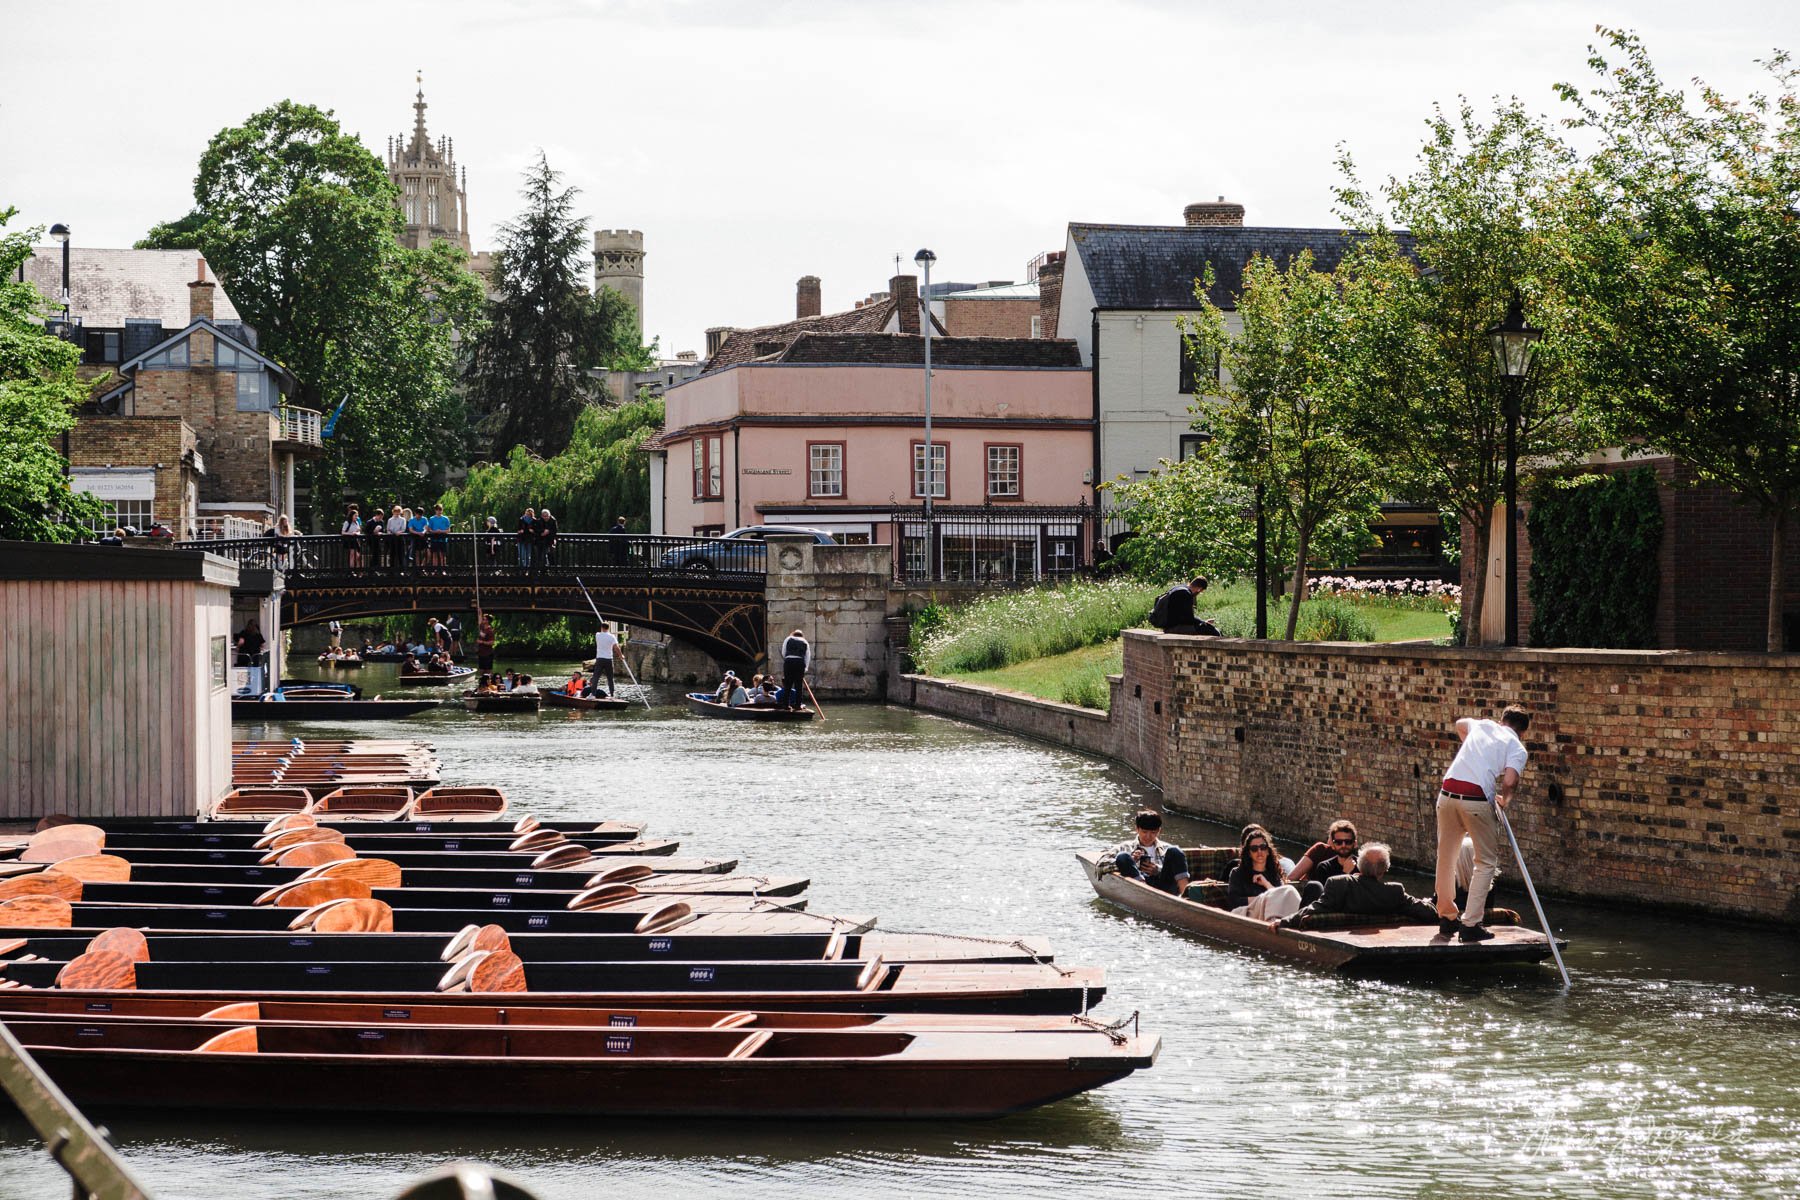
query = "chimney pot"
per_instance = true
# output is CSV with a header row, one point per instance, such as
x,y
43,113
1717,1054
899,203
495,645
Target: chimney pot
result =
x,y
1218,212
808,298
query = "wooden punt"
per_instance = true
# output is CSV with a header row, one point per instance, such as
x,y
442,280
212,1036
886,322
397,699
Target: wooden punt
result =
x,y
528,898
586,703
340,664
255,708
627,912
433,679
641,1071
913,988
262,803
817,943
382,845
844,986
706,706
383,803
196,857
1360,944
461,803
451,829
54,1004
502,702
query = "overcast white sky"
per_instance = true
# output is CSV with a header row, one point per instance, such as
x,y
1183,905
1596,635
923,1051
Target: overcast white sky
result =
x,y
757,142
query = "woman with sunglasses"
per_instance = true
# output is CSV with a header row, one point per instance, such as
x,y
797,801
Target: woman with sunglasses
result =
x,y
1256,888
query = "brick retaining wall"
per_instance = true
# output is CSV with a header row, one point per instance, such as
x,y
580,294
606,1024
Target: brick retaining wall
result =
x,y
1663,776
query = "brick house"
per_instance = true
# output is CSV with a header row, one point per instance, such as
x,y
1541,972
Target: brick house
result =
x,y
188,425
819,422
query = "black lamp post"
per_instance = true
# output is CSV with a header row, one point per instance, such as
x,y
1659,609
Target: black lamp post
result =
x,y
1514,341
60,232
924,259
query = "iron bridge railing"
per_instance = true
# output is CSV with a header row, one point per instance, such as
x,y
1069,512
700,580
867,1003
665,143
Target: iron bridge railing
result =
x,y
406,559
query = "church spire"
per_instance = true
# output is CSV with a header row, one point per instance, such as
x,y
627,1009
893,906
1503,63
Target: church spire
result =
x,y
419,139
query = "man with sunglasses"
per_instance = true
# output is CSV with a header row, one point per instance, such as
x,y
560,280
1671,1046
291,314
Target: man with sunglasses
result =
x,y
1334,856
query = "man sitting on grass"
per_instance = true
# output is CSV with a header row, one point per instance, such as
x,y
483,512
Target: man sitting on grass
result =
x,y
1151,859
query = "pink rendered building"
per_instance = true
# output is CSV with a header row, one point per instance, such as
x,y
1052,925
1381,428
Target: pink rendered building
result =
x,y
796,425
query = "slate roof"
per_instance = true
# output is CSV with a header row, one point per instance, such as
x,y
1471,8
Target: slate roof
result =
x,y
107,286
769,341
1155,266
909,349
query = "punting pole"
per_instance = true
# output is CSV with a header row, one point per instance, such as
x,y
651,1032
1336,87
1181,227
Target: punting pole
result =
x,y
1531,889
475,543
817,707
634,679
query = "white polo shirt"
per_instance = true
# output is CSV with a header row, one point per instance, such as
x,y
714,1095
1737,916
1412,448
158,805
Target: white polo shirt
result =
x,y
1489,748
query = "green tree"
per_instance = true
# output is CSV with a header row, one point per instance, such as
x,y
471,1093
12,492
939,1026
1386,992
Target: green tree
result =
x,y
1480,213
1282,417
1684,266
531,371
39,389
183,233
603,474
1198,516
301,223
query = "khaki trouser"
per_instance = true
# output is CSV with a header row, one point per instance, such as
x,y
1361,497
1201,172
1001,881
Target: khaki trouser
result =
x,y
1458,817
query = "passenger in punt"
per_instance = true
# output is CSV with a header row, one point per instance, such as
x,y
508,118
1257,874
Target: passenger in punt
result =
x,y
1325,860
1255,888
1367,891
486,686
1151,859
575,686
722,693
525,686
739,695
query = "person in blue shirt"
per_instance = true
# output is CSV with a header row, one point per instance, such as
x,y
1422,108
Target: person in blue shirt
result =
x,y
416,526
528,536
439,526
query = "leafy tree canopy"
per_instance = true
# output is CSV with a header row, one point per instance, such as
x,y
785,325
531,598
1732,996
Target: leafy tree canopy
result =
x,y
301,223
39,390
602,475
1684,263
531,372
1480,215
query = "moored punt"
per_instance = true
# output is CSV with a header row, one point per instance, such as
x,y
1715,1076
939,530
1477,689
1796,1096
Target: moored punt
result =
x,y
461,803
246,855
262,803
589,703
382,845
336,708
1350,944
630,912
436,678
662,870
706,706
447,828
637,1071
52,1004
846,986
502,702
677,944
390,803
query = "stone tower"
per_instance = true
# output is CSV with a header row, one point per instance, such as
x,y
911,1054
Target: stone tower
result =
x,y
435,204
619,265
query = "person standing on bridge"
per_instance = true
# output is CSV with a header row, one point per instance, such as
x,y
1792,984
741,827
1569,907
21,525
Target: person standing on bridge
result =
x,y
796,658
351,534
619,547
546,539
605,646
396,530
374,529
527,539
438,525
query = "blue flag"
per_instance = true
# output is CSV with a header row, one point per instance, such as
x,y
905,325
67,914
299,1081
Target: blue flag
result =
x,y
332,420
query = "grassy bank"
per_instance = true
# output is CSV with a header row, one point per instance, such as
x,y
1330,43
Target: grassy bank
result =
x,y
1060,643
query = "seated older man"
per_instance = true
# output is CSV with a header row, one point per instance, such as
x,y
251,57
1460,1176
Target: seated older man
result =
x,y
1366,892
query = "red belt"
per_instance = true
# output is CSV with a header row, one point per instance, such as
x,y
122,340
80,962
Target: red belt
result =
x,y
1468,791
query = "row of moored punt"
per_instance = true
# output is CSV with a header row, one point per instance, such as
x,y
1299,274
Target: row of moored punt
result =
x,y
312,954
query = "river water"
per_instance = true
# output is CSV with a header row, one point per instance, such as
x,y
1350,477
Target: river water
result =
x,y
1671,1070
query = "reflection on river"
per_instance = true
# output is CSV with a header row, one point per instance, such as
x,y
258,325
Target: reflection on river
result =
x,y
1672,1070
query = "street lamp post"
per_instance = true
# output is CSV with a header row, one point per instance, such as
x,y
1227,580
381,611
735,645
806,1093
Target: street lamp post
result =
x,y
60,232
1514,342
924,258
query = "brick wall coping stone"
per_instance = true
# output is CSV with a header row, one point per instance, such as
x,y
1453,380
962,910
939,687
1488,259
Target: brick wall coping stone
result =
x,y
1425,651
